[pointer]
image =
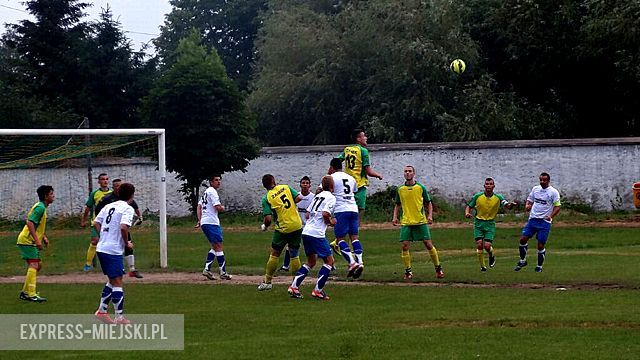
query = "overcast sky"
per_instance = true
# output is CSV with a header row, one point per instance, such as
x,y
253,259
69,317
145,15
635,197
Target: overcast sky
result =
x,y
140,19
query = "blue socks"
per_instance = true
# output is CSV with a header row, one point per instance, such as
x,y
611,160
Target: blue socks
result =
x,y
323,275
105,298
211,255
300,275
118,300
357,250
346,251
523,252
541,256
221,261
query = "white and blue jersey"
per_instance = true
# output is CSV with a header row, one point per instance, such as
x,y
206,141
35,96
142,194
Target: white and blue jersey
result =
x,y
344,187
208,202
209,220
111,243
543,201
314,231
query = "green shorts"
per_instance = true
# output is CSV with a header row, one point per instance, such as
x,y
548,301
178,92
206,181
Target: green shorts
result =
x,y
415,233
94,233
484,229
292,239
29,252
361,197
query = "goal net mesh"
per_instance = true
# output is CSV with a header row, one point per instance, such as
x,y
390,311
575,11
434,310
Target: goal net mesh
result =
x,y
71,164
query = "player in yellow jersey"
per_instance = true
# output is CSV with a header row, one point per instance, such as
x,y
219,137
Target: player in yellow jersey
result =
x,y
413,198
94,198
358,166
279,208
486,204
32,239
356,159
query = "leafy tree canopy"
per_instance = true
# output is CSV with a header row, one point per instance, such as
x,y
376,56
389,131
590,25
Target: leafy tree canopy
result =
x,y
208,127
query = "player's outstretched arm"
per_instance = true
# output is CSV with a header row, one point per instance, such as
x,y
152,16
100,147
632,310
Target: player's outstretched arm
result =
x,y
372,173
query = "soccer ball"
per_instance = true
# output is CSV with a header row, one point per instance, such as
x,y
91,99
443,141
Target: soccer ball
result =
x,y
458,66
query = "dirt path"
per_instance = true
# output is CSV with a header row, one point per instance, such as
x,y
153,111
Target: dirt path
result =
x,y
197,278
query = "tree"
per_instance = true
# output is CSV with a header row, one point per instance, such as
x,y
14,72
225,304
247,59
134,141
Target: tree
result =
x,y
229,26
116,77
208,127
578,59
60,69
378,64
49,50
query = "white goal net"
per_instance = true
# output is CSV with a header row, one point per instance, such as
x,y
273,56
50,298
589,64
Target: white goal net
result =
x,y
70,160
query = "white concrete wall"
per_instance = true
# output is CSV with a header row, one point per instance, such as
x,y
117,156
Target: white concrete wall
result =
x,y
598,172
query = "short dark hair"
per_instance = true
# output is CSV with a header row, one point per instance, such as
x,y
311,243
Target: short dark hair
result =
x,y
488,179
101,175
305,178
336,163
268,180
355,133
43,191
116,180
546,174
126,191
213,176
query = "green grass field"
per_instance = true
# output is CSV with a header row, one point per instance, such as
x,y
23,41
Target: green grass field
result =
x,y
596,318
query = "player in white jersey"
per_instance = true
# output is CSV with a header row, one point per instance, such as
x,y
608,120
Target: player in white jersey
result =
x,y
307,196
208,208
544,204
346,214
315,242
112,224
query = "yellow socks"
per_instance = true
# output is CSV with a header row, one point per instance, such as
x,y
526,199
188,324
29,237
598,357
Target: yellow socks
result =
x,y
30,282
91,253
480,254
406,259
295,265
434,256
272,265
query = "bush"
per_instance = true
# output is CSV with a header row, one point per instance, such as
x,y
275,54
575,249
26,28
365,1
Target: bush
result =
x,y
380,207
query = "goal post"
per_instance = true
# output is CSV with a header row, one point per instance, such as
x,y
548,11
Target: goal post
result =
x,y
32,157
